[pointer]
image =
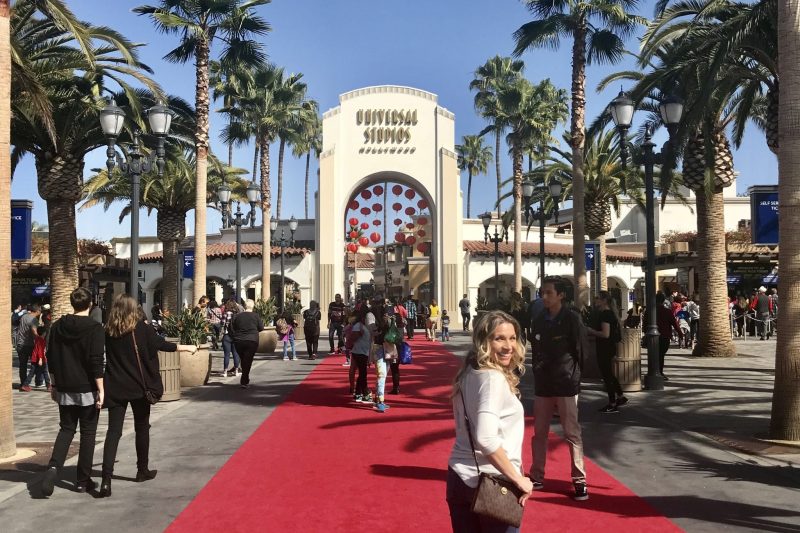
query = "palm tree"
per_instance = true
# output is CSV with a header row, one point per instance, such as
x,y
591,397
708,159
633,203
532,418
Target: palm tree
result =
x,y
8,444
489,79
597,29
235,24
474,157
230,86
308,139
289,106
172,197
531,112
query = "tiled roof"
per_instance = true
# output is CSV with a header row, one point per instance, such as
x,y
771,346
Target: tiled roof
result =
x,y
551,249
366,261
224,250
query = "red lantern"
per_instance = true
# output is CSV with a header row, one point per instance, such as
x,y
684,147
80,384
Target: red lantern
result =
x,y
410,194
353,234
353,221
410,240
421,233
377,207
410,225
422,247
352,247
365,225
354,205
366,195
365,211
397,222
378,190
397,190
397,206
363,241
400,237
410,211
375,236
376,222
422,204
422,221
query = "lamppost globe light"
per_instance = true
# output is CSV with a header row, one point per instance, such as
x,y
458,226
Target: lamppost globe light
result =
x,y
671,109
224,193
486,219
273,224
621,109
253,193
112,119
160,118
555,189
527,190
293,224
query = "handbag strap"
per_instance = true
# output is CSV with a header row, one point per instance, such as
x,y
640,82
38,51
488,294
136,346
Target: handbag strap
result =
x,y
138,359
469,428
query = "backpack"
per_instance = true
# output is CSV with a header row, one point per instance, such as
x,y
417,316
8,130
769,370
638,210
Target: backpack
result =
x,y
311,319
281,326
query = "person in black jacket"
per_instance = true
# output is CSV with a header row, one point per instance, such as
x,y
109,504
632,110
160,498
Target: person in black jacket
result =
x,y
557,339
244,329
311,318
131,368
75,356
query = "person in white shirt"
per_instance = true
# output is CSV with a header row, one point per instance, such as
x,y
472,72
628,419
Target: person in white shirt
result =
x,y
488,385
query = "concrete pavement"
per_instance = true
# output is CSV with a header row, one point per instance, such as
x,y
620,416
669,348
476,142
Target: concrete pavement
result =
x,y
690,450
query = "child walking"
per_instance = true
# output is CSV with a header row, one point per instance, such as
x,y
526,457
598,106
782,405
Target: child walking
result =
x,y
445,326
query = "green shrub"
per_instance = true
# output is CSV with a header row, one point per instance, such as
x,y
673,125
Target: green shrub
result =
x,y
189,326
267,310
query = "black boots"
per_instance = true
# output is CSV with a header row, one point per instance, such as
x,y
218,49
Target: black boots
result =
x,y
105,487
145,475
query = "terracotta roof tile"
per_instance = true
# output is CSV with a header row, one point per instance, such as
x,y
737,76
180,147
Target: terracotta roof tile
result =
x,y
224,250
532,249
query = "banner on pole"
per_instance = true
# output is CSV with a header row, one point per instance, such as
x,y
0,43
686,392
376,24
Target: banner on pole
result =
x,y
764,214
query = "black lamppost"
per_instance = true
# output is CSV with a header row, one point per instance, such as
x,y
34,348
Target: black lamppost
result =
x,y
238,219
486,219
283,243
135,164
671,109
541,214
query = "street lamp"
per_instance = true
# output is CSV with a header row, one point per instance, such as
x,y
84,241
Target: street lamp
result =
x,y
486,219
112,118
541,214
671,109
282,242
238,219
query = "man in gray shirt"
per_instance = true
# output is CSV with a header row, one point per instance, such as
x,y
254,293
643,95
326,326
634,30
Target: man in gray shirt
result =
x,y
28,330
464,306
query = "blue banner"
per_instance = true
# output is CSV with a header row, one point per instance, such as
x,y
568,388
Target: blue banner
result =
x,y
21,230
734,279
188,264
589,253
764,215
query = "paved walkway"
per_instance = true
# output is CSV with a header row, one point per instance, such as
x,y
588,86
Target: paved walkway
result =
x,y
689,450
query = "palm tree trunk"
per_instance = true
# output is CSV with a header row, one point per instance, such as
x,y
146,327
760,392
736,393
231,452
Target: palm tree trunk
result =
x,y
497,166
785,419
266,208
255,160
281,148
8,444
517,157
230,154
63,249
308,165
715,335
469,190
601,263
201,180
577,133
169,276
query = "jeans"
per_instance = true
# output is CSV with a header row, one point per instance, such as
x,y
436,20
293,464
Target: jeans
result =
x,y
606,363
247,350
24,355
70,416
286,343
361,381
543,407
465,318
380,378
39,372
445,333
336,327
694,329
462,519
228,348
141,423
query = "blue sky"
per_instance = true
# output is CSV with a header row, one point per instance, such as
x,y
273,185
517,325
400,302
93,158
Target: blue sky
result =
x,y
341,45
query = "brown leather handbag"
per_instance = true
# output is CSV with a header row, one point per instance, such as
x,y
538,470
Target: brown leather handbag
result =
x,y
495,497
151,397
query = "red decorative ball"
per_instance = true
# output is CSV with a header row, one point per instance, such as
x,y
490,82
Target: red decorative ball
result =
x,y
397,222
352,247
365,211
353,204
376,222
397,206
421,233
377,207
353,221
397,190
353,234
422,204
410,225
366,194
422,247
363,241
410,194
422,221
410,240
410,211
365,225
375,236
400,237
378,190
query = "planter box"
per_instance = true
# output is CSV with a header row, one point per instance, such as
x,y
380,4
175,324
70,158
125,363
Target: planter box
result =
x,y
299,334
628,363
169,366
267,340
195,367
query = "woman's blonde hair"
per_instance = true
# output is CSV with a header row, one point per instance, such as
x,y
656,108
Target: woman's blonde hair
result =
x,y
123,316
480,356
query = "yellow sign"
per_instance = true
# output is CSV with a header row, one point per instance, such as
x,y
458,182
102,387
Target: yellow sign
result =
x,y
386,126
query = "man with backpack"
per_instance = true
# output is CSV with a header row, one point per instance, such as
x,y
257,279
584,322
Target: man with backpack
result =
x,y
336,312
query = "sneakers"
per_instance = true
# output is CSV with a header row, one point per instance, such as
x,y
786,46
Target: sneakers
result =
x,y
285,357
621,400
25,388
346,363
293,359
49,481
610,408
537,485
395,390
581,494
224,373
244,386
381,407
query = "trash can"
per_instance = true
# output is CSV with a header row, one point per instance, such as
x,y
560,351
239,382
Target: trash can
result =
x,y
169,365
628,363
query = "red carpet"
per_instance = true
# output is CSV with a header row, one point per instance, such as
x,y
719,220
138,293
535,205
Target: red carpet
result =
x,y
323,463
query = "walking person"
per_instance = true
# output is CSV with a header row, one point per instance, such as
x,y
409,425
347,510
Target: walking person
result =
x,y
336,314
739,313
228,347
76,363
131,375
666,323
245,328
285,327
27,331
445,326
694,320
607,332
464,307
433,319
361,335
489,420
215,321
311,318
762,305
39,367
557,340
411,311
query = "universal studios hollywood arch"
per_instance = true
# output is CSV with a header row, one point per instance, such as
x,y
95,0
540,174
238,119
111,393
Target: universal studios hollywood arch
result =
x,y
398,135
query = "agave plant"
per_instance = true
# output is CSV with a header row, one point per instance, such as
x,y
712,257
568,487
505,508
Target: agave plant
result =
x,y
188,325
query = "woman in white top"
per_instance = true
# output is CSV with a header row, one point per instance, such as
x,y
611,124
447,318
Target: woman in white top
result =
x,y
488,382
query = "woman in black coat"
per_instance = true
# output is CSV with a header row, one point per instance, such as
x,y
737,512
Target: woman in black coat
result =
x,y
131,369
311,318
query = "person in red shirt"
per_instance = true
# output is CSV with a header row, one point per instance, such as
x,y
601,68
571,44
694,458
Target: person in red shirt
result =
x,y
666,322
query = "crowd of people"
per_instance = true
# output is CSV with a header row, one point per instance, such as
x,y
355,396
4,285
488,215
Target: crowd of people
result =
x,y
756,315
